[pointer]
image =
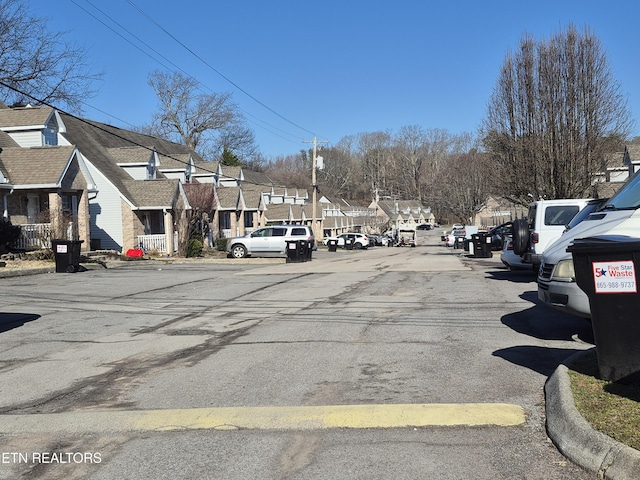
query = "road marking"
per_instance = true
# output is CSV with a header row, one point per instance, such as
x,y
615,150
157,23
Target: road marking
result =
x,y
267,418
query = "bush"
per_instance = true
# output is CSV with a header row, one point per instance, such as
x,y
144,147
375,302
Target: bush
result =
x,y
221,244
194,248
9,234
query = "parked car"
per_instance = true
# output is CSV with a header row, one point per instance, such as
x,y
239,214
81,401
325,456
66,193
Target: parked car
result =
x,y
360,240
509,258
423,226
557,285
545,222
450,238
377,239
269,240
498,233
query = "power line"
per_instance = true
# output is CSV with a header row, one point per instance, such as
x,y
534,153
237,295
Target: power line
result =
x,y
262,122
150,19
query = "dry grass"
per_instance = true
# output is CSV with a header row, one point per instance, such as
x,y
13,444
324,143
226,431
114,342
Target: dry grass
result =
x,y
612,408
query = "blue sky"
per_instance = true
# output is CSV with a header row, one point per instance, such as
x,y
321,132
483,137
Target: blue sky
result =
x,y
330,68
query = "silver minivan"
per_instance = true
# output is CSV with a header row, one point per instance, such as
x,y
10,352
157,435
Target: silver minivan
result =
x,y
269,240
619,216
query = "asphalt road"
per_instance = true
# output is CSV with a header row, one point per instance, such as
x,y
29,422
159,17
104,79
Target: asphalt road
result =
x,y
402,363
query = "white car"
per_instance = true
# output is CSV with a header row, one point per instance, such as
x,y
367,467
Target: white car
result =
x,y
509,258
269,240
359,240
450,238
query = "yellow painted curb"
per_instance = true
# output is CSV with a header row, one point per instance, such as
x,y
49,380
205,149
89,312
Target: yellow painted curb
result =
x,y
268,418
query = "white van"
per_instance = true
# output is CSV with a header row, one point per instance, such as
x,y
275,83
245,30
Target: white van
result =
x,y
545,222
619,216
557,287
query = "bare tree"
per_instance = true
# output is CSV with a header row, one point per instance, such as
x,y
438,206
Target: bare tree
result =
x,y
553,116
36,63
466,185
205,123
291,170
193,223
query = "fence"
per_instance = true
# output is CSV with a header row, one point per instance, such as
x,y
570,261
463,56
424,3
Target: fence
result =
x,y
157,242
34,236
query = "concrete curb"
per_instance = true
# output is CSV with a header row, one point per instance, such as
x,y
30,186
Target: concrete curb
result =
x,y
577,440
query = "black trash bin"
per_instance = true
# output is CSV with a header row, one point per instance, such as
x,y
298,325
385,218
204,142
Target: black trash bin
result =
x,y
348,243
482,245
333,245
293,251
303,250
67,255
606,269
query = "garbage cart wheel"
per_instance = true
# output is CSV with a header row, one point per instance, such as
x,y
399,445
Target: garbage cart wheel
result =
x,y
520,236
71,268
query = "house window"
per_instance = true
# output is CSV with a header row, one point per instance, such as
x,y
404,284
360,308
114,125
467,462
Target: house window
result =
x,y
151,170
50,136
248,219
224,220
67,206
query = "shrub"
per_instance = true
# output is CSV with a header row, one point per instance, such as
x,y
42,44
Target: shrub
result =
x,y
9,234
194,248
221,244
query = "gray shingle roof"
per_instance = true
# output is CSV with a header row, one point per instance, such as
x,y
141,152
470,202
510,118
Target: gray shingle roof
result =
x,y
150,194
98,142
36,165
25,116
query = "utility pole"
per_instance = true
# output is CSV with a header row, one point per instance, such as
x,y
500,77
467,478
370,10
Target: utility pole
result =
x,y
314,185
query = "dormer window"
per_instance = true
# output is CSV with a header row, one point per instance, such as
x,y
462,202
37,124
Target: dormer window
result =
x,y
50,136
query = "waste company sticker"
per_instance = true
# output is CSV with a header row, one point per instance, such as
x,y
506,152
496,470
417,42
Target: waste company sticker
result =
x,y
615,277
61,248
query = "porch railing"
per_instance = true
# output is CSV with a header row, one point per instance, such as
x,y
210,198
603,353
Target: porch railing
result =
x,y
157,242
34,236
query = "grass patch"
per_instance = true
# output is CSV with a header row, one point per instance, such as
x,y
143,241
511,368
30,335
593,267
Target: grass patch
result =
x,y
609,407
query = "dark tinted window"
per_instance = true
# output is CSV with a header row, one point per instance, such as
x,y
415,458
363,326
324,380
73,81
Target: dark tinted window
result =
x,y
298,231
560,215
279,232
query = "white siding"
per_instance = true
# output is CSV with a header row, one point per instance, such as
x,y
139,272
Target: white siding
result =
x,y
136,172
106,212
28,139
174,175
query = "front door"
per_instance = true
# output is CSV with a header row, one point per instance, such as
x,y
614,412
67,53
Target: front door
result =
x,y
33,208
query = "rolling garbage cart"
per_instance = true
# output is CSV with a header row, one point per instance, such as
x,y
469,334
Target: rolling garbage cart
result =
x,y
606,269
67,255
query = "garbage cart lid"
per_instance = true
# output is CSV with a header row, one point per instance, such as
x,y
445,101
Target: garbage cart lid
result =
x,y
605,243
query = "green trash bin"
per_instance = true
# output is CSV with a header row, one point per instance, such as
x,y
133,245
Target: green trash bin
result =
x,y
606,269
67,255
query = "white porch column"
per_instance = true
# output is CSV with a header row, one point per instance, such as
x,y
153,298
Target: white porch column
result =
x,y
168,231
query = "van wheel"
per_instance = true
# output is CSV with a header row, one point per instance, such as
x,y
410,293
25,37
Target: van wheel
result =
x,y
238,251
521,236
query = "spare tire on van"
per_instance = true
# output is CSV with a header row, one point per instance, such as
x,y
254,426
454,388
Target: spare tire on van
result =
x,y
521,236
